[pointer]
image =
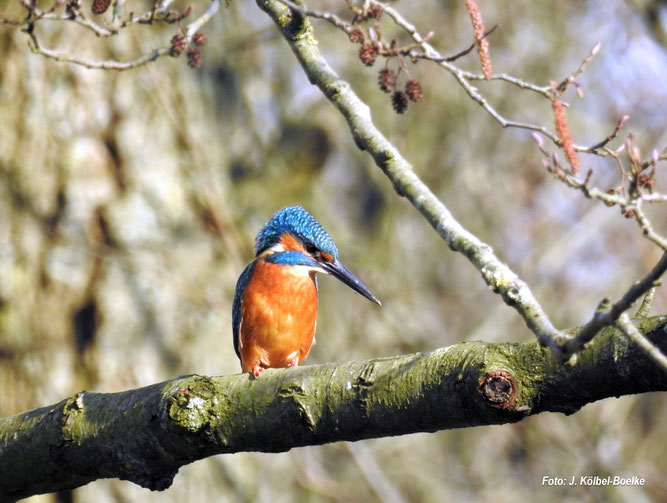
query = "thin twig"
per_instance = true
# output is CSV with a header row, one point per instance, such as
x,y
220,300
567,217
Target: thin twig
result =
x,y
196,25
613,135
655,198
319,14
647,302
626,326
75,16
608,314
570,78
462,53
647,229
64,57
630,204
159,14
543,90
463,78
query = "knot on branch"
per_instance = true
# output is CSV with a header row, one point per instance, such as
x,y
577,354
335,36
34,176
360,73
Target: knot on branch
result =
x,y
192,406
73,414
498,388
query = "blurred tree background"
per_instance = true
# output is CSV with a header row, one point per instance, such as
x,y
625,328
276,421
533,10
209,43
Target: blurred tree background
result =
x,y
129,202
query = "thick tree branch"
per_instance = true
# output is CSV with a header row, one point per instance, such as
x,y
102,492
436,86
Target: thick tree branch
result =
x,y
145,435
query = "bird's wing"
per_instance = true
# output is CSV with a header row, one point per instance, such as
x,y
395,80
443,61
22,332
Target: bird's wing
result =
x,y
241,285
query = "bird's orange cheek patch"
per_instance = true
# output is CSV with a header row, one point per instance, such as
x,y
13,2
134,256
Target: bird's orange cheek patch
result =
x,y
290,243
327,256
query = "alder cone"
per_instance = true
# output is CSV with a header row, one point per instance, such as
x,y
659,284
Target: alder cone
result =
x,y
100,6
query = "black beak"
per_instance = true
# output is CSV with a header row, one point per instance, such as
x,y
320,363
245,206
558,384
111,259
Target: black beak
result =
x,y
339,271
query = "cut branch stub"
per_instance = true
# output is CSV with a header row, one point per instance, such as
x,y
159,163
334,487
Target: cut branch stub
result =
x,y
498,388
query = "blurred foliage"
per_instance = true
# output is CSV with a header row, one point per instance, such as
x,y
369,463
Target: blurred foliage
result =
x,y
129,203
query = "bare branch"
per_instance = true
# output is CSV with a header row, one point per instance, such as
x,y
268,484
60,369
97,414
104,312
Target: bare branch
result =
x,y
464,52
608,314
647,229
500,278
63,57
543,90
427,52
320,14
464,77
630,201
570,78
160,13
208,14
609,138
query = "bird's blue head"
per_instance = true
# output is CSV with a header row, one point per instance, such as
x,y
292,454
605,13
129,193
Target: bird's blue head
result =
x,y
297,222
292,237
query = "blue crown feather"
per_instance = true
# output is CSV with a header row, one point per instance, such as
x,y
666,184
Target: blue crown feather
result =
x,y
298,222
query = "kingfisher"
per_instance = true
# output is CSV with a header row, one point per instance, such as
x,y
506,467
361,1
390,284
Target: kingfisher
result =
x,y
275,305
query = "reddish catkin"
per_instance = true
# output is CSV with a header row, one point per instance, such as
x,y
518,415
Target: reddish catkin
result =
x,y
564,133
478,34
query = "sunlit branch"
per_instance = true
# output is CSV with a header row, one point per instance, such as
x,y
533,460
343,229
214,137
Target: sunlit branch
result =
x,y
101,64
500,278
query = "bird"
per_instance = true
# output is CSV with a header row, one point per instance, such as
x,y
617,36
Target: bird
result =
x,y
274,313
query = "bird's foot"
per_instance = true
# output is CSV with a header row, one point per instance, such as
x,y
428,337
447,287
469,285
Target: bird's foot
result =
x,y
294,362
256,370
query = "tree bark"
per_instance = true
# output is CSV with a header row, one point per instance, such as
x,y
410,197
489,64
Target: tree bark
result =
x,y
145,435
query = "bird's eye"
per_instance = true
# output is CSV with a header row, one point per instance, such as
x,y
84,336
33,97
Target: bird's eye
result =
x,y
310,248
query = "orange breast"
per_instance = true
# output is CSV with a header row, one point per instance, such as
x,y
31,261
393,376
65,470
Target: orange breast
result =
x,y
278,316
